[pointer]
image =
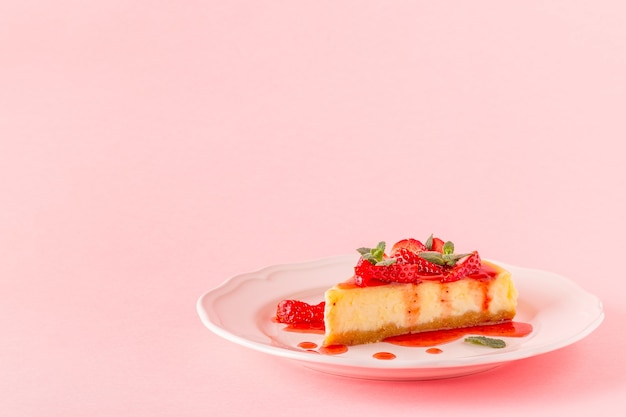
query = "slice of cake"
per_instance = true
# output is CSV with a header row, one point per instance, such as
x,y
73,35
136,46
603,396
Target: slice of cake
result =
x,y
355,315
416,288
419,287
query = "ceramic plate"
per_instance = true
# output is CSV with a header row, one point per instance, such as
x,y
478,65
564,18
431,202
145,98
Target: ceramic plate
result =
x,y
241,310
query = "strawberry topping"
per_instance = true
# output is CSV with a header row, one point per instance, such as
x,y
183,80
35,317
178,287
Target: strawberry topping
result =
x,y
410,245
411,261
468,265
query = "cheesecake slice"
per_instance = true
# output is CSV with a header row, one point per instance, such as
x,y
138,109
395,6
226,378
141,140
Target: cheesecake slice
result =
x,y
418,287
355,313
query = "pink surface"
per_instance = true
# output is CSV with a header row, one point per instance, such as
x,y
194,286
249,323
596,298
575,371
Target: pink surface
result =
x,y
150,150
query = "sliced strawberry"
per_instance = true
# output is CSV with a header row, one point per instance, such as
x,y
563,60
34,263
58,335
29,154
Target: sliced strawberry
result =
x,y
408,250
408,268
295,312
366,273
414,262
405,256
438,244
468,265
411,245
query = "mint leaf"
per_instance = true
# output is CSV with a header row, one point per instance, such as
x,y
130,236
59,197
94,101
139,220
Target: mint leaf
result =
x,y
369,257
374,255
448,248
451,259
429,242
364,251
386,262
486,341
433,256
379,251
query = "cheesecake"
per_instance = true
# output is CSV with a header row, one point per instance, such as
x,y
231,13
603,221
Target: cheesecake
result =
x,y
417,287
356,314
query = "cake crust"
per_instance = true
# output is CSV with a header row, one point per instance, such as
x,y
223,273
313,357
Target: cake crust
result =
x,y
470,319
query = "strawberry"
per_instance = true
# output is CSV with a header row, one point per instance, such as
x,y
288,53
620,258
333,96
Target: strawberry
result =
x,y
294,312
468,265
404,265
411,245
405,256
366,274
434,244
438,244
408,250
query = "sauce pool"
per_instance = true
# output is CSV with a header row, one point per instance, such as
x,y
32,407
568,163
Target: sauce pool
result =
x,y
425,339
333,349
385,356
307,345
438,337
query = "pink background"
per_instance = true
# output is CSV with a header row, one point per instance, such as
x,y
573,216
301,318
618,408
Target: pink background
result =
x,y
149,150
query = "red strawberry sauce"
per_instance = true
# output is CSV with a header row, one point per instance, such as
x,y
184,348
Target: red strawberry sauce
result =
x,y
431,339
438,337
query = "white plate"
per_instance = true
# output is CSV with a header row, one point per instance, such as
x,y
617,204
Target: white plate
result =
x,y
241,310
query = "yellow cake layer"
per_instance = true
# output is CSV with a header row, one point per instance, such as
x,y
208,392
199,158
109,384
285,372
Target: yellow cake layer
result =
x,y
355,315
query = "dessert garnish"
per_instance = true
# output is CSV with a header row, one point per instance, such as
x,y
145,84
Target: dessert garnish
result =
x,y
411,261
486,341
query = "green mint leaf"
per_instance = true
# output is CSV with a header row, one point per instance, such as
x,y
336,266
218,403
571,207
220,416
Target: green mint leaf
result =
x,y
459,256
486,341
386,262
448,248
429,242
451,259
448,259
364,251
374,255
432,256
369,257
379,251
